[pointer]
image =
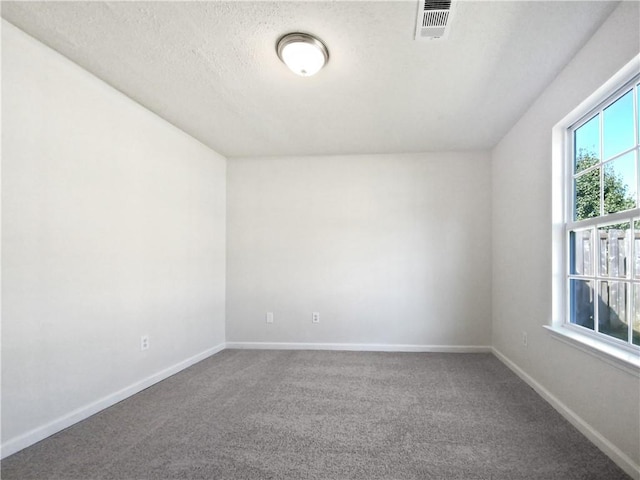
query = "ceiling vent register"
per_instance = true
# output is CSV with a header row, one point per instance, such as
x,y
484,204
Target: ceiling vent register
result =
x,y
434,19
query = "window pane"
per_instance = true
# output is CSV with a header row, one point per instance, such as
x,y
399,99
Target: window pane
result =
x,y
636,317
614,249
618,126
581,302
581,249
587,145
587,191
620,184
612,310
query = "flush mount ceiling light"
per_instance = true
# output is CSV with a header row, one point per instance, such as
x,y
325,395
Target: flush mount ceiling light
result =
x,y
304,54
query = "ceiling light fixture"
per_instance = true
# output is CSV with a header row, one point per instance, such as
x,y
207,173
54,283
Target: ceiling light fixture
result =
x,y
304,54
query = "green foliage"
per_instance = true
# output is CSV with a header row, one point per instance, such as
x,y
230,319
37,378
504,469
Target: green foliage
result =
x,y
616,196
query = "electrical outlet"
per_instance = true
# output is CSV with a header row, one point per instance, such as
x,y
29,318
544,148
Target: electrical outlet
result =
x,y
524,339
269,317
144,342
315,317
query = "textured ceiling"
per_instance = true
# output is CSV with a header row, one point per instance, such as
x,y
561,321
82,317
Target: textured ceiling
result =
x,y
210,68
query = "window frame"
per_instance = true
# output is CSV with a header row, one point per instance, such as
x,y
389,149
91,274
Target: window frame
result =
x,y
603,219
622,354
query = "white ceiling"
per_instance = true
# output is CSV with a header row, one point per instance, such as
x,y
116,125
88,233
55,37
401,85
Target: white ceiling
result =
x,y
210,68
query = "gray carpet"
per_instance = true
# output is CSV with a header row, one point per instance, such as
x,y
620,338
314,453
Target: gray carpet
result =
x,y
324,415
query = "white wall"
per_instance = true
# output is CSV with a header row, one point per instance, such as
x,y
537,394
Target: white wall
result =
x,y
390,249
113,226
605,397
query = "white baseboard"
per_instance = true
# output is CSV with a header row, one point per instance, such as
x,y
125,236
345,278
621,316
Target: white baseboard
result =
x,y
613,452
360,347
40,433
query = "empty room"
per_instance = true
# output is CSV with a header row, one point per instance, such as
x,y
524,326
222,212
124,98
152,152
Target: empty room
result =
x,y
320,240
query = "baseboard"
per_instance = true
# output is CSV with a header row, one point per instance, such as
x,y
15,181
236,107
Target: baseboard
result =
x,y
40,433
360,347
613,452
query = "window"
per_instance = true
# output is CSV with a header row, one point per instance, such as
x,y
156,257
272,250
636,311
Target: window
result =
x,y
602,227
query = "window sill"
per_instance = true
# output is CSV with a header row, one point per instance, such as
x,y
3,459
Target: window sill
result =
x,y
622,359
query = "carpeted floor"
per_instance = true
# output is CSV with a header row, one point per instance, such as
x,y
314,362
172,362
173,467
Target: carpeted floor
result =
x,y
324,415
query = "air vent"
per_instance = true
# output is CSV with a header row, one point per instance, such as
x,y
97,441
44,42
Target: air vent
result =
x,y
434,18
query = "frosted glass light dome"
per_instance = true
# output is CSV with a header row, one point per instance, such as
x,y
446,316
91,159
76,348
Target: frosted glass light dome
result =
x,y
303,54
